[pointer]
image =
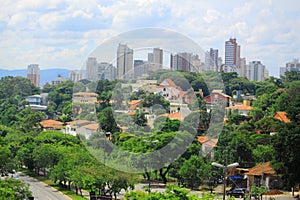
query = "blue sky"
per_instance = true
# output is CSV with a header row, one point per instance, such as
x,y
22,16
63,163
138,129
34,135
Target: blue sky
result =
x,y
63,33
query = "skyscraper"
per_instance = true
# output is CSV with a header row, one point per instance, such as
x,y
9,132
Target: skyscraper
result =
x,y
232,54
211,59
33,74
91,69
256,71
124,62
181,61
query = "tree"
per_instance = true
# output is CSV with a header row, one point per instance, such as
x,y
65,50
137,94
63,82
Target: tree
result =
x,y
155,99
194,171
107,121
14,189
12,86
198,120
286,145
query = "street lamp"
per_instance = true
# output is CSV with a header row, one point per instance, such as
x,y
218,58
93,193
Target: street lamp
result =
x,y
225,173
151,142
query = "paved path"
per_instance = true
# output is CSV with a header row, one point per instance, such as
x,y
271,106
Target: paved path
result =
x,y
41,191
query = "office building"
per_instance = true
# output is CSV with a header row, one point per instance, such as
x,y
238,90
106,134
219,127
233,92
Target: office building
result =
x,y
33,74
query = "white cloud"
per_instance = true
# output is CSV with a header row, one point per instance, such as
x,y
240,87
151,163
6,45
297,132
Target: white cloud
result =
x,y
211,15
46,30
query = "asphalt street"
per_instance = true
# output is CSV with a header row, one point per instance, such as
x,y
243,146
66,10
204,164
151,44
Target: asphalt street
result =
x,y
41,191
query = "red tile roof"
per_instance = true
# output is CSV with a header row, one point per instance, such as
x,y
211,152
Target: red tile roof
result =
x,y
242,107
51,124
207,141
174,115
265,168
93,127
282,117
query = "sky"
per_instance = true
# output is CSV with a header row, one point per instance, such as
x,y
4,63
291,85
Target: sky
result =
x,y
63,33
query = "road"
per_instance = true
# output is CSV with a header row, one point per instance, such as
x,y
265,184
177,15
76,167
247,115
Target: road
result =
x,y
41,191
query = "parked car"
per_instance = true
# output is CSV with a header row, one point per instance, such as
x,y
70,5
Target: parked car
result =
x,y
236,192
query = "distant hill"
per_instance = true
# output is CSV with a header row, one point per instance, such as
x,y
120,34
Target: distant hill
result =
x,y
47,75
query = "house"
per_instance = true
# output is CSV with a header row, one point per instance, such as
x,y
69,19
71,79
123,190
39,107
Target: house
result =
x,y
85,97
241,109
51,124
180,108
282,117
217,97
174,116
207,145
88,130
35,102
262,174
134,105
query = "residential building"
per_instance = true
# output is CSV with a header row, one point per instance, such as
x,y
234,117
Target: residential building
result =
x,y
140,68
207,145
241,109
59,80
156,59
262,175
124,62
51,125
196,66
76,76
242,71
181,61
256,71
35,102
106,71
211,59
85,97
217,97
33,74
91,69
293,66
282,117
232,55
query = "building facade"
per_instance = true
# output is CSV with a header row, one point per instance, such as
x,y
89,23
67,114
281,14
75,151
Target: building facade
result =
x,y
124,62
91,69
33,74
181,61
106,71
211,59
256,71
232,54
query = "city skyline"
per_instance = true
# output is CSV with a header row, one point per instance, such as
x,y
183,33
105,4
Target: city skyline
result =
x,y
59,34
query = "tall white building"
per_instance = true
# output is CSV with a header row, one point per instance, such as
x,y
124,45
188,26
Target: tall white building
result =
x,y
76,76
293,66
211,59
256,71
242,70
106,71
91,69
124,62
196,66
232,54
33,74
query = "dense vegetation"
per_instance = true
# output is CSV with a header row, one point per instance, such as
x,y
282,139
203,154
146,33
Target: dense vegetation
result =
x,y
65,159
